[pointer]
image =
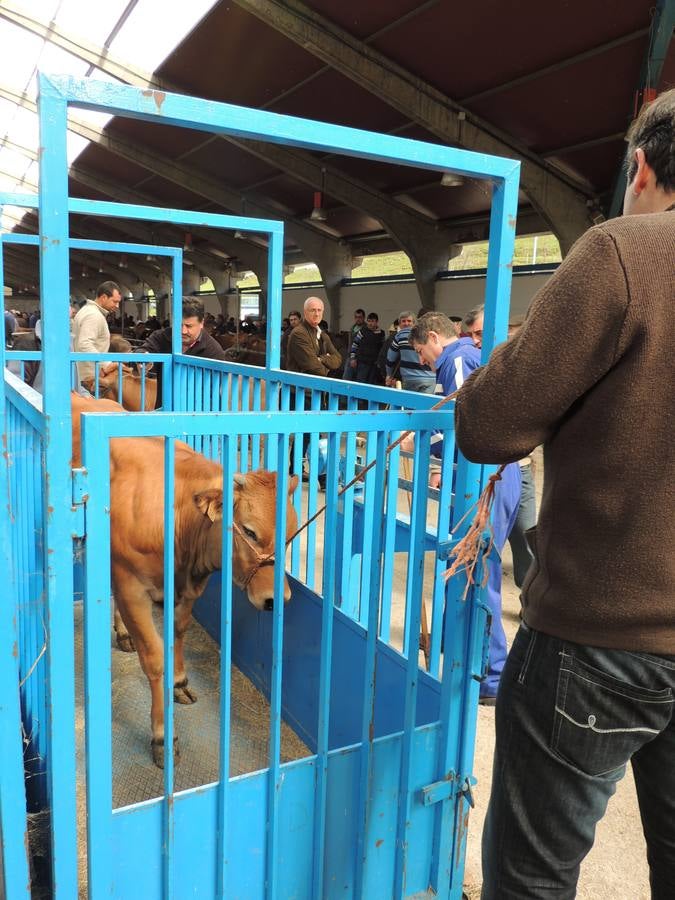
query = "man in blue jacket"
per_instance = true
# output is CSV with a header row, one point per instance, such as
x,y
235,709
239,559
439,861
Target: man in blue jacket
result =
x,y
454,359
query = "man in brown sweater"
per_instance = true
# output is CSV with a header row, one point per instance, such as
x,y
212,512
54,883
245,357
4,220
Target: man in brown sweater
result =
x,y
590,680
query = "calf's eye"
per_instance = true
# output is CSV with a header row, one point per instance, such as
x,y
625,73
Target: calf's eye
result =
x,y
250,534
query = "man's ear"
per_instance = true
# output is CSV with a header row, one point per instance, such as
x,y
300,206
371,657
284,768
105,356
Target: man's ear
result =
x,y
210,503
642,174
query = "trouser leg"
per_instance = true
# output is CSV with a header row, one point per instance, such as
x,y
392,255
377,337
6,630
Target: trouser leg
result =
x,y
526,518
654,771
507,494
568,718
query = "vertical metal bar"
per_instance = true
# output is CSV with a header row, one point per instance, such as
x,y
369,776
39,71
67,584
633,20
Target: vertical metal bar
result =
x,y
347,601
229,448
14,859
275,263
326,658
500,262
169,371
391,504
97,662
245,387
371,501
168,823
447,864
440,565
274,772
312,491
143,375
54,282
413,596
255,442
368,709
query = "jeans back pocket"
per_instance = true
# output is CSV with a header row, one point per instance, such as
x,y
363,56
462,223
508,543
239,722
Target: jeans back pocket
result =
x,y
600,720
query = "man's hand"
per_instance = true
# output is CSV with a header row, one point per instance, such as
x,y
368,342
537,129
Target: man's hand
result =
x,y
408,443
352,363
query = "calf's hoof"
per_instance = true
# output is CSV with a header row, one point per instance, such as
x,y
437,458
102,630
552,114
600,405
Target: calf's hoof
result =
x,y
125,643
157,745
182,693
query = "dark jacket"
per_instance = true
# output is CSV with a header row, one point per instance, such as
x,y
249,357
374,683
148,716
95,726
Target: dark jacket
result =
x,y
367,345
599,397
310,353
160,342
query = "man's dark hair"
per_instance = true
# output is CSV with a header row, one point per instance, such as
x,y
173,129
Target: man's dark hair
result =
x,y
373,317
193,309
455,318
473,314
361,312
431,321
295,312
654,132
108,288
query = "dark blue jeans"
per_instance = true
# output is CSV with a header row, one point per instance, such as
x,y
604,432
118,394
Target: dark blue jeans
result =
x,y
568,719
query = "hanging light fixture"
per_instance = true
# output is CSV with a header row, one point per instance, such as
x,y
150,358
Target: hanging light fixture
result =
x,y
100,267
318,213
187,243
450,179
238,236
122,264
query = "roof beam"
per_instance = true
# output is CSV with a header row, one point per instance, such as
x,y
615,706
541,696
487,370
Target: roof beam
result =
x,y
309,239
558,197
557,67
412,230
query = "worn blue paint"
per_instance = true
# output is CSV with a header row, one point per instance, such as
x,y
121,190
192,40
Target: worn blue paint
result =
x,y
350,819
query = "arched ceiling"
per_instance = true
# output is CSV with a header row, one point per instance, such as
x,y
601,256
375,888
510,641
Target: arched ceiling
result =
x,y
554,85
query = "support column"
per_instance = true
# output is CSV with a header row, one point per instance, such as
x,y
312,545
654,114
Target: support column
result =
x,y
334,263
428,258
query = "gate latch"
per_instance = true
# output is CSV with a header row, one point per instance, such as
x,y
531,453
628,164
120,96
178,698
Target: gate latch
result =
x,y
80,496
451,786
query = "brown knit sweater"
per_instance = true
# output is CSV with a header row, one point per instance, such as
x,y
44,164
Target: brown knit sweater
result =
x,y
591,376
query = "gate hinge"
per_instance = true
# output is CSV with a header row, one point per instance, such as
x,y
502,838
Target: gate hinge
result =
x,y
451,786
80,496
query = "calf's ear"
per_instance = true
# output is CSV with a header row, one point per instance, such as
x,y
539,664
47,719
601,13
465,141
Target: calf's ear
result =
x,y
210,503
292,483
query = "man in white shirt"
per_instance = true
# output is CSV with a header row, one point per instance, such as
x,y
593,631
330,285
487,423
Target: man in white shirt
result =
x,y
91,333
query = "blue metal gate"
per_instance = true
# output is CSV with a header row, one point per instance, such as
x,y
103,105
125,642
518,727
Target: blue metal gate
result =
x,y
379,806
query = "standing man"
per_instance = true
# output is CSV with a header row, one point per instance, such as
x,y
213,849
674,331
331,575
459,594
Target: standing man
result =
x,y
365,349
590,680
195,340
357,325
311,352
403,362
454,359
91,333
294,319
472,326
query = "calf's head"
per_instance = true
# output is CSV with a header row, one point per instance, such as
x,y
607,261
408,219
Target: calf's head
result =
x,y
254,532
